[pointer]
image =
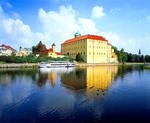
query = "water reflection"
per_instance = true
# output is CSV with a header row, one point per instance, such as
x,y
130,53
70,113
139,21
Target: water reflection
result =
x,y
93,79
99,79
84,93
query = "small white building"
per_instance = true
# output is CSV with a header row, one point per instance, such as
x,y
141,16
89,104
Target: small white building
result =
x,y
6,50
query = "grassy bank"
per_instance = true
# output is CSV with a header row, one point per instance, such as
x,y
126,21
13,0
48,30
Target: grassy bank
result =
x,y
21,65
108,64
1,62
96,64
147,67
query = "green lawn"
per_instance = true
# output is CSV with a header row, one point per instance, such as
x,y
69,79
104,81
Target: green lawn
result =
x,y
1,62
147,67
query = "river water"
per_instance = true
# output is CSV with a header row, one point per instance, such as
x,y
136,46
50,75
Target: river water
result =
x,y
107,94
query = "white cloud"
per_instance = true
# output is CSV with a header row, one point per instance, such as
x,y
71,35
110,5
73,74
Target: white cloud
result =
x,y
9,5
115,10
1,11
61,25
56,26
148,18
97,12
87,25
15,32
113,38
130,45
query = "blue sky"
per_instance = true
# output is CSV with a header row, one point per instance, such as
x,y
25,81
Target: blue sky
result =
x,y
125,23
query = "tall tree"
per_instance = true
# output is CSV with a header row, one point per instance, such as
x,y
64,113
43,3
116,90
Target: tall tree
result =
x,y
139,52
122,56
40,49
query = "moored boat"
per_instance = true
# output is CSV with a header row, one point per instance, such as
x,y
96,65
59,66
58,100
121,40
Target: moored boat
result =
x,y
54,64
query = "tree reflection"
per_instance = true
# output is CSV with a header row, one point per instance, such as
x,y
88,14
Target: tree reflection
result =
x,y
9,75
125,69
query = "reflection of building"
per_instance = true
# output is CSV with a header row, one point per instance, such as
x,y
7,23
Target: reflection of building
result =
x,y
52,52
24,51
6,50
100,78
75,79
93,79
93,48
52,76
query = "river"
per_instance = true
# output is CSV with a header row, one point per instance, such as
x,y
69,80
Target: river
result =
x,y
107,94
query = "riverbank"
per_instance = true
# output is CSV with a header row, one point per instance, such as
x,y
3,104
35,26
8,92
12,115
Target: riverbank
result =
x,y
35,65
17,65
97,64
106,64
147,67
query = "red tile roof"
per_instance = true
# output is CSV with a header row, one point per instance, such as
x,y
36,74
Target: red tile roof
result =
x,y
51,50
7,47
96,37
58,53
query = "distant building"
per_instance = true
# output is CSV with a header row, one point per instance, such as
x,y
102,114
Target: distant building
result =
x,y
52,52
24,51
93,48
6,50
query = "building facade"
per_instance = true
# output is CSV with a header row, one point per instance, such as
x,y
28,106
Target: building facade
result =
x,y
93,48
6,50
52,52
24,51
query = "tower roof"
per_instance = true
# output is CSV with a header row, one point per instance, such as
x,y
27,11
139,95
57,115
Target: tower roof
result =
x,y
77,34
53,44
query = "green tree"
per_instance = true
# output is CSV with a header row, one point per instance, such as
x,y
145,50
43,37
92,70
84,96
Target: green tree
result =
x,y
40,49
79,58
142,58
139,52
122,56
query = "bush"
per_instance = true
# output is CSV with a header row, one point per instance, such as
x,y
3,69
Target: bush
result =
x,y
31,59
79,58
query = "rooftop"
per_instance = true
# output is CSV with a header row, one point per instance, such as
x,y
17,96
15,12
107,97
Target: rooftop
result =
x,y
7,47
51,50
88,36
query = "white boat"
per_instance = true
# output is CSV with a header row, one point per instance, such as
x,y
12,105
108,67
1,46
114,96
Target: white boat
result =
x,y
54,64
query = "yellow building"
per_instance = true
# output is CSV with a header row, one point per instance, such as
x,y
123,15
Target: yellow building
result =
x,y
52,52
24,51
93,48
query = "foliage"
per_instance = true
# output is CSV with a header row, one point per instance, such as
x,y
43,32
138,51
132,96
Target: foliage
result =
x,y
129,57
40,49
31,59
79,58
122,56
147,67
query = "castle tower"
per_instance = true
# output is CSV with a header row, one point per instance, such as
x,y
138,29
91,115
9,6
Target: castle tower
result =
x,y
20,48
77,34
54,47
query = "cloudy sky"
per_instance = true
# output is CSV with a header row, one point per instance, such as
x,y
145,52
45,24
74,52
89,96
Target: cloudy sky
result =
x,y
125,23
